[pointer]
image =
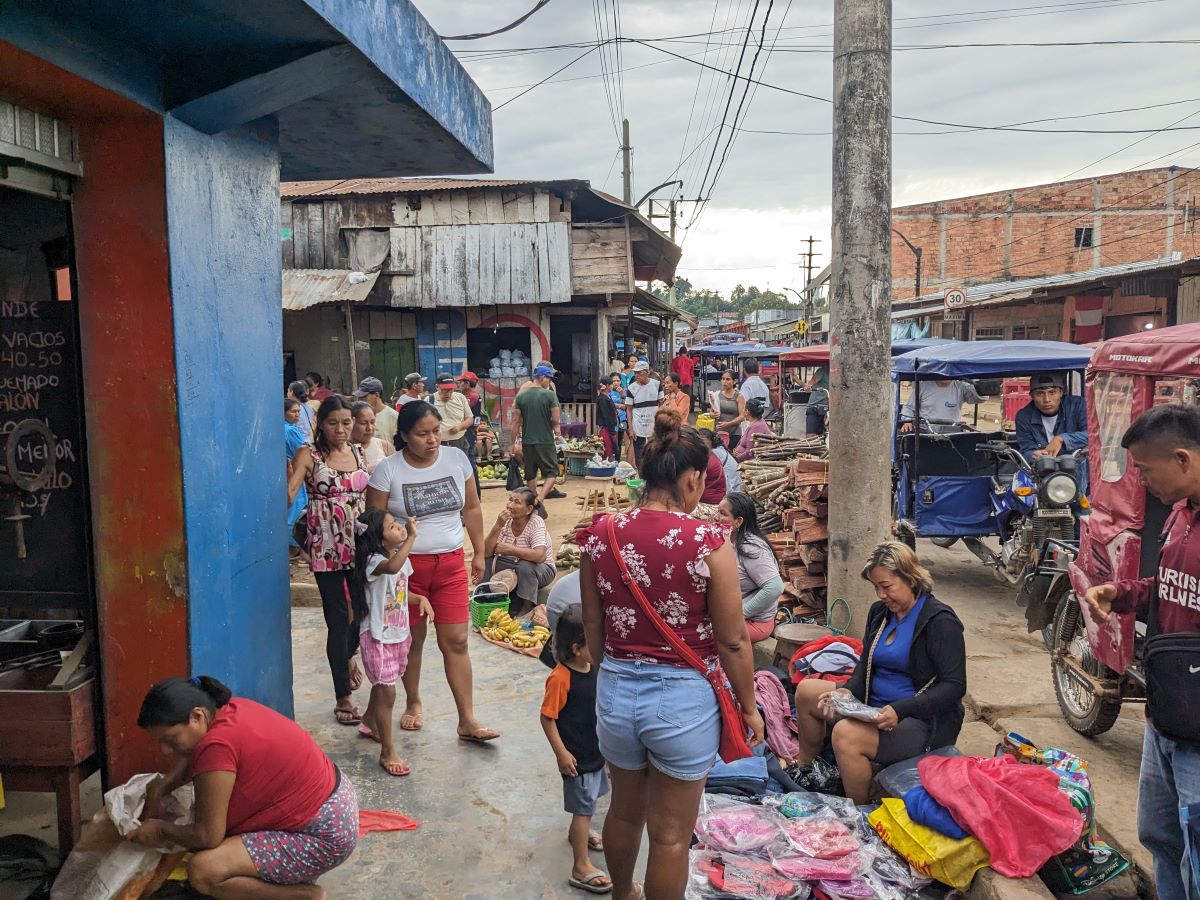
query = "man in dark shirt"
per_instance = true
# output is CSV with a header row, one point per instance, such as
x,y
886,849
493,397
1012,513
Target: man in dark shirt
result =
x,y
1053,423
1164,447
608,425
535,425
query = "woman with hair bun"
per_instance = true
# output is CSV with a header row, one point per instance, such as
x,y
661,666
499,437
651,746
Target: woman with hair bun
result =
x,y
272,813
657,718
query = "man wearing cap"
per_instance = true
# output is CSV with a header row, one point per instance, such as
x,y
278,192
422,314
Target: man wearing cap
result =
x,y
535,426
1052,423
641,403
370,389
466,384
456,419
414,389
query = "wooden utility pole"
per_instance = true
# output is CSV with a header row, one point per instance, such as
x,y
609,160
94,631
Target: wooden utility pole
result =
x,y
860,403
627,162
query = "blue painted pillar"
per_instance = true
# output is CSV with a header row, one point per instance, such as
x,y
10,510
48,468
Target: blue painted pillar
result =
x,y
223,235
441,342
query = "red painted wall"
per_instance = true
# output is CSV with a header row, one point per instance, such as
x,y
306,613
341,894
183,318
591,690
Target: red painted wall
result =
x,y
129,385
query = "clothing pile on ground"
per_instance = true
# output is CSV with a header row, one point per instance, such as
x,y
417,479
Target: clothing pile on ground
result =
x,y
769,831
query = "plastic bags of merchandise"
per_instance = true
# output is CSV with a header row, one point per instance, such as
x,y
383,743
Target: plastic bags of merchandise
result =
x,y
844,706
105,866
729,825
818,776
820,836
900,778
951,862
715,874
800,866
800,804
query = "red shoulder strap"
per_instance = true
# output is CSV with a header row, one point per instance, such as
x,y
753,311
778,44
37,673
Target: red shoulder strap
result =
x,y
686,653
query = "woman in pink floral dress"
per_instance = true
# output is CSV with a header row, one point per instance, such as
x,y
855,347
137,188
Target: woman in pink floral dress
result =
x,y
657,718
336,479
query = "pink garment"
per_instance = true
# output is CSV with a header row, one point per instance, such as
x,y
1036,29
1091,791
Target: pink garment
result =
x,y
759,631
372,820
1016,810
777,715
745,448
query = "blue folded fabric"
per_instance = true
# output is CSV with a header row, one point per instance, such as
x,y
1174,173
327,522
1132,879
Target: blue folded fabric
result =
x,y
750,767
924,810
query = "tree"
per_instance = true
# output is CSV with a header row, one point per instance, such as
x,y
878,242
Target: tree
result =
x,y
742,300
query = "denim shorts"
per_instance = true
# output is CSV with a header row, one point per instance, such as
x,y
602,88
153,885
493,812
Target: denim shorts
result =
x,y
657,714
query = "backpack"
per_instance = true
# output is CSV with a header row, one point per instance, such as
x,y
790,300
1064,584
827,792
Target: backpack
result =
x,y
831,658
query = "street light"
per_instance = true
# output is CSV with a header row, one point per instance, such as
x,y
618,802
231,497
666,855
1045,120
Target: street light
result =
x,y
806,299
917,253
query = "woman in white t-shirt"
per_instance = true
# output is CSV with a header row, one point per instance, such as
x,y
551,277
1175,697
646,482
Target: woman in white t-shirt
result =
x,y
519,541
432,483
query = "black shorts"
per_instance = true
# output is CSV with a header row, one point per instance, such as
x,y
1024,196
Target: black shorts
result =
x,y
540,459
908,739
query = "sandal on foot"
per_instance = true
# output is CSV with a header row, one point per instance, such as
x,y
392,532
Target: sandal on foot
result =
x,y
479,736
356,676
399,769
588,883
595,842
365,732
347,716
411,723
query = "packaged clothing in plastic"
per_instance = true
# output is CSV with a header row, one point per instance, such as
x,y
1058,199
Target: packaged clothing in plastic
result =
x,y
818,776
728,825
1017,811
900,778
820,836
104,865
886,866
794,864
953,863
716,875
853,889
800,804
845,706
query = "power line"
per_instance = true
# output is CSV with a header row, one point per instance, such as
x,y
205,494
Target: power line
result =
x,y
485,34
696,93
1127,146
587,52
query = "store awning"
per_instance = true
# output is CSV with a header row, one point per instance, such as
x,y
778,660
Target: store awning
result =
x,y
305,288
647,302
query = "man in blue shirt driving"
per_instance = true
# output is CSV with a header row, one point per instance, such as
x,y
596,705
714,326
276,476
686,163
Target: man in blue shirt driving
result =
x,y
1053,423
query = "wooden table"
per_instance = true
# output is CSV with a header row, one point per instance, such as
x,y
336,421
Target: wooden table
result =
x,y
790,637
48,741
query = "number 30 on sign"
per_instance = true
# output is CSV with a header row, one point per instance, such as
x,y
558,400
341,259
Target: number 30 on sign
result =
x,y
955,298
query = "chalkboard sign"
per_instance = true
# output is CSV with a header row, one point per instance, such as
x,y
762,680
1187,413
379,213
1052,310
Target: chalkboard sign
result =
x,y
45,559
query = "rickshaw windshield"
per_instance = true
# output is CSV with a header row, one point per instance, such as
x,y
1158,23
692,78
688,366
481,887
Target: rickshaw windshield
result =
x,y
1112,394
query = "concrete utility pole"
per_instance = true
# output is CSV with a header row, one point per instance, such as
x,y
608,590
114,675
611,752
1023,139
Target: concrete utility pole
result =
x,y
627,167
860,403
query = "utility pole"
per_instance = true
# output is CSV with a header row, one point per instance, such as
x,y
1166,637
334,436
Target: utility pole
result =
x,y
627,162
916,251
808,302
860,408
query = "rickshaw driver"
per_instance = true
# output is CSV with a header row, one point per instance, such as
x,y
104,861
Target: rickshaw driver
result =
x,y
941,403
1053,423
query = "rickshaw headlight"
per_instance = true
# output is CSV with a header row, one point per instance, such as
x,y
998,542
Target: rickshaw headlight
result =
x,y
1060,489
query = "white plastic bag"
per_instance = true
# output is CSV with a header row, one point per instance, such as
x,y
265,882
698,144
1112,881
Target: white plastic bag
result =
x,y
105,866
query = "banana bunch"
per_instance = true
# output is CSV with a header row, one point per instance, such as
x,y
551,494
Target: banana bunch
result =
x,y
535,638
501,626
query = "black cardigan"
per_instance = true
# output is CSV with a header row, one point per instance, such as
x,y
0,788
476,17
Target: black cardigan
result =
x,y
938,653
606,413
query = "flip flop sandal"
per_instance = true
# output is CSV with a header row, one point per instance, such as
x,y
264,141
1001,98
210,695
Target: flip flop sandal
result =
x,y
417,723
403,770
365,732
356,678
347,716
595,842
476,739
589,883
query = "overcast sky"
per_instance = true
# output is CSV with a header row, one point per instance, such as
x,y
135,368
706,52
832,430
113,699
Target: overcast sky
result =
x,y
774,190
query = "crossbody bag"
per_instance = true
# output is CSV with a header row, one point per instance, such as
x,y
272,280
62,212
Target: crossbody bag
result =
x,y
1172,665
733,744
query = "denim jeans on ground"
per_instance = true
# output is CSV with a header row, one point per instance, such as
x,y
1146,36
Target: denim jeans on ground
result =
x,y
1170,779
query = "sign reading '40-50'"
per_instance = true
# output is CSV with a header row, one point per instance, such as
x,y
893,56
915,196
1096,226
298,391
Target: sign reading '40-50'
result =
x,y
956,298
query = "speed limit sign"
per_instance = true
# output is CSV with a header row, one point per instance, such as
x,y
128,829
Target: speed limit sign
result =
x,y
955,298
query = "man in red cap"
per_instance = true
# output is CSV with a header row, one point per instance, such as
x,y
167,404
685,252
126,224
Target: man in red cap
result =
x,y
466,383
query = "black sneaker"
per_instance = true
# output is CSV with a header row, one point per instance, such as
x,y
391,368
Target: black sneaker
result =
x,y
556,494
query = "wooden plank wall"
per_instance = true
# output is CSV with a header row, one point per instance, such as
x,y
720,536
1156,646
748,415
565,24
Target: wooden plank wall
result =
x,y
600,259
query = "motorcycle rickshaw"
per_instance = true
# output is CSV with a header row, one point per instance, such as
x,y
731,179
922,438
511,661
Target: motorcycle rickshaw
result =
x,y
955,482
1096,669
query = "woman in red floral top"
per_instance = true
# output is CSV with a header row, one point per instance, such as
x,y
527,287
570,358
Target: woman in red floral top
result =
x,y
657,718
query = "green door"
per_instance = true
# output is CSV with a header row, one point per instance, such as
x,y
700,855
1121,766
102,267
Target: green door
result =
x,y
391,360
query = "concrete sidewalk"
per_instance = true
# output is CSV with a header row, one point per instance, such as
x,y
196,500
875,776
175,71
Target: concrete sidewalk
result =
x,y
1010,689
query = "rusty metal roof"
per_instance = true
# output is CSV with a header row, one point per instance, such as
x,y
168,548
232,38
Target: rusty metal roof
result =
x,y
305,288
338,188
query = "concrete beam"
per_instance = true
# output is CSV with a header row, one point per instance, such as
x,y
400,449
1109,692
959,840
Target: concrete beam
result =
x,y
268,92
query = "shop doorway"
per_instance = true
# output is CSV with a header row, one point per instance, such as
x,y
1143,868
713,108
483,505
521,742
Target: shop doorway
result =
x,y
391,360
573,351
45,543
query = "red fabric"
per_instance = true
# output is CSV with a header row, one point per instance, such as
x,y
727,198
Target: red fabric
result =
x,y
682,367
1160,351
372,820
442,577
283,777
814,647
666,553
1177,581
322,393
1017,811
715,486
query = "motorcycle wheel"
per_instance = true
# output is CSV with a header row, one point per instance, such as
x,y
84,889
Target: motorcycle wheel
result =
x,y
944,542
1084,711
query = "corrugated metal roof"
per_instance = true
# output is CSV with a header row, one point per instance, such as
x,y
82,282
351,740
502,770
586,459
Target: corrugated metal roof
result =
x,y
306,288
1001,292
411,185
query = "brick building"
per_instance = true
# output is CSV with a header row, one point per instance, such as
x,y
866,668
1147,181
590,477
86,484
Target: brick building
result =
x,y
1048,229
